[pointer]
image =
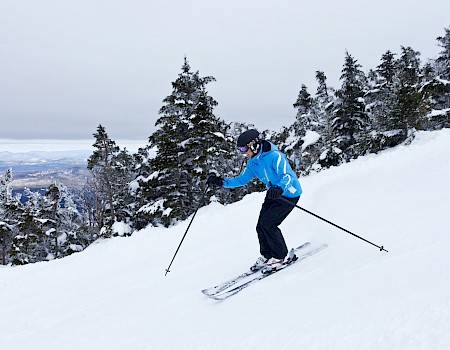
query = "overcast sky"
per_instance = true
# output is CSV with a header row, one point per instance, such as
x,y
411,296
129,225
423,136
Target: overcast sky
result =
x,y
67,66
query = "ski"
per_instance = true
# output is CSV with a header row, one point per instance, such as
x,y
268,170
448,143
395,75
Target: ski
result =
x,y
234,291
227,284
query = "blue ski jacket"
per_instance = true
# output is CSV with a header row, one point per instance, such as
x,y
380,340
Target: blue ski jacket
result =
x,y
272,168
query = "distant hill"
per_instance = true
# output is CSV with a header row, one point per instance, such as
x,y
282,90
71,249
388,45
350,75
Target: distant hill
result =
x,y
40,169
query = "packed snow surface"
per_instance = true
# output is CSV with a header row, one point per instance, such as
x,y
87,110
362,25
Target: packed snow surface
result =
x,y
114,295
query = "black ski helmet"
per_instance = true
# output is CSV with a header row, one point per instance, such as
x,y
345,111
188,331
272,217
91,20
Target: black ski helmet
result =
x,y
248,136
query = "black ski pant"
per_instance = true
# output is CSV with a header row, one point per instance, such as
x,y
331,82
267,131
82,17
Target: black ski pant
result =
x,y
273,212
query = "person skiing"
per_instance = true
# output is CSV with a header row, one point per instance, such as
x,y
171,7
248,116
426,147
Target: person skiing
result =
x,y
271,167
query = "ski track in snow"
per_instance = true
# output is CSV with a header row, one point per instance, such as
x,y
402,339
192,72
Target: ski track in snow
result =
x,y
114,295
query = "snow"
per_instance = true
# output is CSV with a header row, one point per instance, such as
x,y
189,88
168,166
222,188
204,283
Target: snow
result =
x,y
121,228
310,138
134,185
219,134
75,247
49,232
443,81
153,208
350,296
435,113
291,141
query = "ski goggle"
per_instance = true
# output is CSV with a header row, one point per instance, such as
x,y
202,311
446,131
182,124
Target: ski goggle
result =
x,y
243,149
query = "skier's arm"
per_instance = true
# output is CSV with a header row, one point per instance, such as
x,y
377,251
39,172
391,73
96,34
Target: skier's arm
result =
x,y
243,178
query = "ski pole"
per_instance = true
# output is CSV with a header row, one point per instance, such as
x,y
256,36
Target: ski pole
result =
x,y
193,216
329,222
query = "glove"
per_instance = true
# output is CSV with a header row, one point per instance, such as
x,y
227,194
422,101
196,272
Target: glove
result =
x,y
215,181
274,192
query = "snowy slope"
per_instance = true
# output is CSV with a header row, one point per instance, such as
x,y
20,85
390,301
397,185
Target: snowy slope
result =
x,y
350,296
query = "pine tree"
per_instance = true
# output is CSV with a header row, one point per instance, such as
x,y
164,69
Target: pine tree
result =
x,y
410,105
208,148
28,245
100,164
75,235
380,100
290,140
306,129
139,188
52,223
9,208
436,86
305,118
383,93
5,240
443,60
330,153
112,171
350,118
167,202
188,139
124,173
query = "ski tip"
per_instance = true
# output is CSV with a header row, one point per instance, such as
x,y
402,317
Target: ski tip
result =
x,y
222,297
302,245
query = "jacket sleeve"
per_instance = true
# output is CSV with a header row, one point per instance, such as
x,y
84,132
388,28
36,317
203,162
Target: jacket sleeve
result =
x,y
243,178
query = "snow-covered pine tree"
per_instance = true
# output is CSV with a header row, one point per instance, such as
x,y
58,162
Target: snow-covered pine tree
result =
x,y
304,105
62,223
188,139
5,240
139,188
443,60
351,122
9,212
410,105
324,100
307,130
208,148
381,96
310,142
436,86
28,245
289,140
124,172
112,171
101,167
330,153
166,201
75,233
51,220
380,99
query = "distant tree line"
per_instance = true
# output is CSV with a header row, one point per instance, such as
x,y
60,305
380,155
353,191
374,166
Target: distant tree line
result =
x,y
44,227
164,181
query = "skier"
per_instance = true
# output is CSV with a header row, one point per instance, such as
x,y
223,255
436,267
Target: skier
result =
x,y
271,167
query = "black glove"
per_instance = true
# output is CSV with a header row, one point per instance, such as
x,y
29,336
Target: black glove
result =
x,y
274,192
215,181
